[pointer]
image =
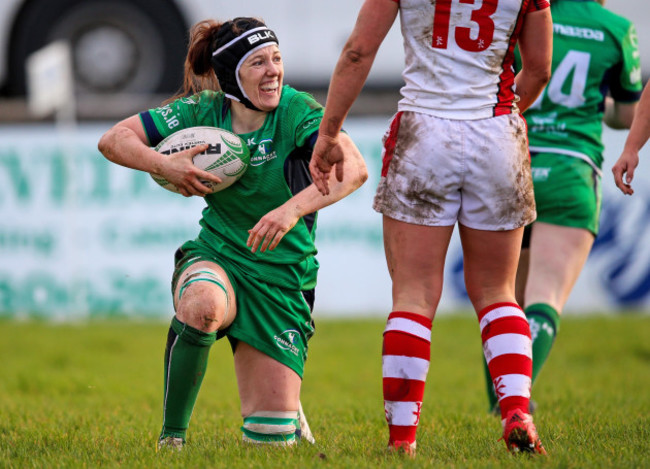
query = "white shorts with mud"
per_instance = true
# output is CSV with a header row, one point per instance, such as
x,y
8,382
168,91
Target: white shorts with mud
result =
x,y
437,172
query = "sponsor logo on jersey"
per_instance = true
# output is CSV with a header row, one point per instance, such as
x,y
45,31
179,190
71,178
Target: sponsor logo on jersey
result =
x,y
544,119
547,123
286,341
309,123
540,174
170,117
634,42
582,33
265,152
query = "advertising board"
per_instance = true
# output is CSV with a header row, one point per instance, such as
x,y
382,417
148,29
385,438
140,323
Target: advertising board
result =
x,y
81,237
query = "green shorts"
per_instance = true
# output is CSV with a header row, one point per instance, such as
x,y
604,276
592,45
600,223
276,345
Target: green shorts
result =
x,y
568,191
274,320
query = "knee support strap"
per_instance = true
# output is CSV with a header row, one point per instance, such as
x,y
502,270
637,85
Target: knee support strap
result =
x,y
205,275
271,428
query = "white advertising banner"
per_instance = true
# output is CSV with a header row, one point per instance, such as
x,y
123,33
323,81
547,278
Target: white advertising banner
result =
x,y
82,237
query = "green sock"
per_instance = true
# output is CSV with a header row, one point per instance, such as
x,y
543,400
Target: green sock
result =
x,y
186,360
489,387
544,324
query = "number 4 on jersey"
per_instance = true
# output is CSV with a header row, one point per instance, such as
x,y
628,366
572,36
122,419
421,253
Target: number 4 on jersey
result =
x,y
574,68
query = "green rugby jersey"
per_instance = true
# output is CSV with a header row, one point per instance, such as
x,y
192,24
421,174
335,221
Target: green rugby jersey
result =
x,y
594,50
279,168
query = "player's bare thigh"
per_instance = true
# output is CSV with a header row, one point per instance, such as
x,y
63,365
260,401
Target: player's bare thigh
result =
x,y
557,256
490,261
264,383
415,255
208,301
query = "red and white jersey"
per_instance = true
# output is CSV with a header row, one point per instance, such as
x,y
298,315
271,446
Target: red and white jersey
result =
x,y
459,55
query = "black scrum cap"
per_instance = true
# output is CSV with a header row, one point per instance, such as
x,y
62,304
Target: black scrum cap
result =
x,y
231,51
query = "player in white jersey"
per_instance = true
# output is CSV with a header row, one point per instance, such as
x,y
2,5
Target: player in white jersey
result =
x,y
455,152
463,71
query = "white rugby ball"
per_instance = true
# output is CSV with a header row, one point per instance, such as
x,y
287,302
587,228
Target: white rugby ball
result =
x,y
227,156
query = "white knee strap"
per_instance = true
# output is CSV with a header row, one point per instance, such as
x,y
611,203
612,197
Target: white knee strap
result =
x,y
271,428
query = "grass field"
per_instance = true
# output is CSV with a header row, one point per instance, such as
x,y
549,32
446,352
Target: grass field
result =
x,y
90,395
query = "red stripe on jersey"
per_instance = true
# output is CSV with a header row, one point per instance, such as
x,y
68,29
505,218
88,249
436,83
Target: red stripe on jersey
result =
x,y
506,325
512,363
422,320
535,5
505,95
389,144
494,306
404,390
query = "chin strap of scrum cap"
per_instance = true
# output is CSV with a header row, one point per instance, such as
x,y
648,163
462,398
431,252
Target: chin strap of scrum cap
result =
x,y
227,60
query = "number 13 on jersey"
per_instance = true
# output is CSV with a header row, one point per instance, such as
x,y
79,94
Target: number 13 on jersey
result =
x,y
462,35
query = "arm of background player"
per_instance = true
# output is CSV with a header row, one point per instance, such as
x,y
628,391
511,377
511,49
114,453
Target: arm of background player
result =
x,y
269,231
618,115
636,139
536,48
126,144
373,23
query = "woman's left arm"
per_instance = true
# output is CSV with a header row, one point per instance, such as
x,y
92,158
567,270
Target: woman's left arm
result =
x,y
269,231
618,115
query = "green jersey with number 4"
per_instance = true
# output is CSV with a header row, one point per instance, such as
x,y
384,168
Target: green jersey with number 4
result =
x,y
594,51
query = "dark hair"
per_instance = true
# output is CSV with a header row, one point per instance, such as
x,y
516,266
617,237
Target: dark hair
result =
x,y
205,37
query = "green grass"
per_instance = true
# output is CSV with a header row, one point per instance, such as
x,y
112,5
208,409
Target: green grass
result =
x,y
89,395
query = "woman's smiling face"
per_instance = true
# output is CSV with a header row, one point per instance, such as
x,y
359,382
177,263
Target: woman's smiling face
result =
x,y
261,77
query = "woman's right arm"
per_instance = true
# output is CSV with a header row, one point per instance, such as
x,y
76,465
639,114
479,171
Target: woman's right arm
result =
x,y
536,48
639,134
126,144
373,23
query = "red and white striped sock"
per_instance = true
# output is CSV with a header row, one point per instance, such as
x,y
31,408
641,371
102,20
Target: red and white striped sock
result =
x,y
508,351
405,363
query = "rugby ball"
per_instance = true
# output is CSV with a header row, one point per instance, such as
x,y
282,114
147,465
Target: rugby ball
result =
x,y
227,156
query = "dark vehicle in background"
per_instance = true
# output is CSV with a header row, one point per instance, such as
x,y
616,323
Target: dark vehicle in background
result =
x,y
133,50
